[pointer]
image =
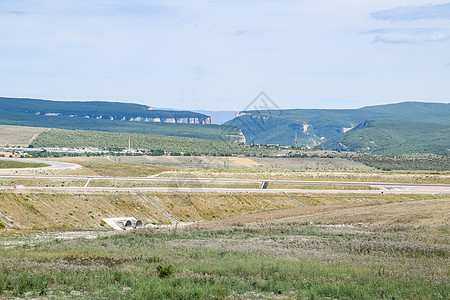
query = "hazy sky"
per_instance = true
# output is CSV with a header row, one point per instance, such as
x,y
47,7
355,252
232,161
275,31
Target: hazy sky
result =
x,y
220,54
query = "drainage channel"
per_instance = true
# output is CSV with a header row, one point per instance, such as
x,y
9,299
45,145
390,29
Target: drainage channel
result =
x,y
303,204
159,208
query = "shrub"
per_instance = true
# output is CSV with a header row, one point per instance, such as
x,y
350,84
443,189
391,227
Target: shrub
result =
x,y
164,271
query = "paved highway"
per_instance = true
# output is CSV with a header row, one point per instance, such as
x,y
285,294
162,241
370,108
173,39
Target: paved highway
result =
x,y
229,190
382,185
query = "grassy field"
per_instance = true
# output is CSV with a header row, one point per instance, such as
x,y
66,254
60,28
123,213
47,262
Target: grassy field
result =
x,y
55,245
41,182
18,135
286,261
20,165
416,177
277,185
181,183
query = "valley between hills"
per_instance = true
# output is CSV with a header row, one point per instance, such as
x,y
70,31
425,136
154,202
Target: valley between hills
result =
x,y
222,219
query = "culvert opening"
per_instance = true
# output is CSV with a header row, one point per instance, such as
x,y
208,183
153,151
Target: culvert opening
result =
x,y
139,224
128,224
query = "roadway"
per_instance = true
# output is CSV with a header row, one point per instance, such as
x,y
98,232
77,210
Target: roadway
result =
x,y
383,187
380,185
231,190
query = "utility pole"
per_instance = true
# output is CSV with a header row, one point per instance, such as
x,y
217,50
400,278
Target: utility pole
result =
x,y
129,143
296,139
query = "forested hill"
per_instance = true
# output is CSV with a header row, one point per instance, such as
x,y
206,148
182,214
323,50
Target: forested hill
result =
x,y
112,117
100,110
339,129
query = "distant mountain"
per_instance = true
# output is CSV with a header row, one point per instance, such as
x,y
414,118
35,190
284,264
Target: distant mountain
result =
x,y
113,117
337,129
101,110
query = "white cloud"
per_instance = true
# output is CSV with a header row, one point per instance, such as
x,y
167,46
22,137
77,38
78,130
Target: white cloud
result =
x,y
412,13
407,36
218,54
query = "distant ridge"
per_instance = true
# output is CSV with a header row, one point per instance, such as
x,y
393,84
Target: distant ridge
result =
x,y
101,110
112,117
339,129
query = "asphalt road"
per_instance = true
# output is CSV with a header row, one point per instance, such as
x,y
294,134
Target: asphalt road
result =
x,y
386,185
230,190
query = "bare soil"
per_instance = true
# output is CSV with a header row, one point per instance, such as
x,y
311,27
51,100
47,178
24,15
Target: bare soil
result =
x,y
433,212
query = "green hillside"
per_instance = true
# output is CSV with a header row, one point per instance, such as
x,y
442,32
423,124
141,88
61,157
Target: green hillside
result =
x,y
398,137
327,127
154,143
86,116
438,113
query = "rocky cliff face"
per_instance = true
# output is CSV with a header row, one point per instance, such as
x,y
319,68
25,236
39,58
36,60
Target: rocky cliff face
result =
x,y
177,120
172,120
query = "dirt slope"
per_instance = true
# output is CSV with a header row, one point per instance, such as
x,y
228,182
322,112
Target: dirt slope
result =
x,y
432,212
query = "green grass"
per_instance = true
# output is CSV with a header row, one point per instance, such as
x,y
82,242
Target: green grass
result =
x,y
17,165
291,260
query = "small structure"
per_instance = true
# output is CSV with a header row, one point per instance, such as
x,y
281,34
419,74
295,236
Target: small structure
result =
x,y
125,223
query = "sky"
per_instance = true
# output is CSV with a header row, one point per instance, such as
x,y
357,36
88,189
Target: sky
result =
x,y
220,54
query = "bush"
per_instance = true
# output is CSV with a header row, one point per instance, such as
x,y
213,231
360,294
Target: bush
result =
x,y
164,271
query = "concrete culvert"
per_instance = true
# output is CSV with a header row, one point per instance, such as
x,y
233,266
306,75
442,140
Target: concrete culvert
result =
x,y
128,224
139,224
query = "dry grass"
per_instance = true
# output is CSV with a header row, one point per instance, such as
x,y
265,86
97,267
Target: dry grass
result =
x,y
277,185
42,182
415,177
40,210
135,183
311,164
112,169
390,210
18,135
191,207
282,261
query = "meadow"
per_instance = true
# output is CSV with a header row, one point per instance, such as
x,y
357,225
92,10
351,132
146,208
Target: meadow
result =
x,y
284,261
18,135
55,244
20,165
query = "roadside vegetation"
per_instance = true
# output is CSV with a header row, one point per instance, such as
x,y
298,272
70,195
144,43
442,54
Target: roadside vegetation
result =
x,y
415,177
20,165
286,261
430,162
